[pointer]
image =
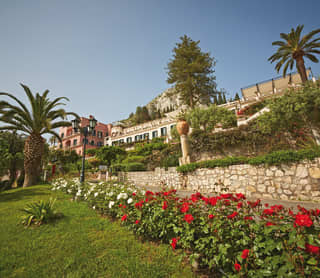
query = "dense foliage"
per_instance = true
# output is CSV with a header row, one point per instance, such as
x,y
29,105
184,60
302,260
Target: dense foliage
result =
x,y
11,153
191,70
225,234
273,158
297,109
208,118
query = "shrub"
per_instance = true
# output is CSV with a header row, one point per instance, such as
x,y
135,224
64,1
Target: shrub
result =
x,y
134,166
39,212
274,158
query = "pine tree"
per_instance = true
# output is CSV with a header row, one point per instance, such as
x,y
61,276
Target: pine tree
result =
x,y
236,97
191,71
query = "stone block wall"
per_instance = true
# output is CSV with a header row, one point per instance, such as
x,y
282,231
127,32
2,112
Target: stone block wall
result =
x,y
298,181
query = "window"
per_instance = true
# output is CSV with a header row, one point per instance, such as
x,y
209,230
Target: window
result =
x,y
92,143
163,131
94,132
107,134
146,136
99,144
84,141
136,138
172,126
74,142
129,139
155,134
121,141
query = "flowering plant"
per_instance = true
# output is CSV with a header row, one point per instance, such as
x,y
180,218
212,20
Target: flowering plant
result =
x,y
224,233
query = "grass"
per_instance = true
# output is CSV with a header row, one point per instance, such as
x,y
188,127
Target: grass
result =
x,y
81,244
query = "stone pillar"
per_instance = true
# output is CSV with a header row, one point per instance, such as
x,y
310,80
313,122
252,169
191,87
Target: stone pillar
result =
x,y
183,129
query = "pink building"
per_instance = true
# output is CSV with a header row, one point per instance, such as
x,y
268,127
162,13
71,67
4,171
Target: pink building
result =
x,y
74,140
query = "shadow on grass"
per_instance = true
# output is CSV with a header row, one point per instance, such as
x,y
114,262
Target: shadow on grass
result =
x,y
23,193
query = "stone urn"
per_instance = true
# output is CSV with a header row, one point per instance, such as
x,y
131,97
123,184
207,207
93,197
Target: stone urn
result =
x,y
182,127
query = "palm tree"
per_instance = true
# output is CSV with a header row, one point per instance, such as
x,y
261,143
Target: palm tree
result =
x,y
42,118
294,48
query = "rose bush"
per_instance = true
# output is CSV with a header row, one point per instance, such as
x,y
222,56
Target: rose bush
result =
x,y
225,234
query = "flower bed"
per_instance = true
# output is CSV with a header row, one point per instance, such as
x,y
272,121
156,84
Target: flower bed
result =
x,y
225,234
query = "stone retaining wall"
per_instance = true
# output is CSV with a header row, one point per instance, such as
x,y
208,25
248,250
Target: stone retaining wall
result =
x,y
299,181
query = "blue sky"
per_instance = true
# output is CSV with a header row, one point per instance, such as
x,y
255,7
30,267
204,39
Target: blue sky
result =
x,y
108,57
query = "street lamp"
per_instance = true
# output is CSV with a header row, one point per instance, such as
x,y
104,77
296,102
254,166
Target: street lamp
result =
x,y
87,130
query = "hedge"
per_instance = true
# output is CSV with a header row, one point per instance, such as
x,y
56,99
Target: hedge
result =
x,y
274,158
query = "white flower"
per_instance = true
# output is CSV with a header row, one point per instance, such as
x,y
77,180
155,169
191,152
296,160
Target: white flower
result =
x,y
122,195
129,201
94,207
111,204
96,194
69,191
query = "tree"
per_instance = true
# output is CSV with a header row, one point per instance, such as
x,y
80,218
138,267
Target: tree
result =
x,y
109,154
41,119
11,153
294,49
191,70
236,97
207,119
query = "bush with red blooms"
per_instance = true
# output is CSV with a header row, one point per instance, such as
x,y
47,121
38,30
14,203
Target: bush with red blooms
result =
x,y
247,240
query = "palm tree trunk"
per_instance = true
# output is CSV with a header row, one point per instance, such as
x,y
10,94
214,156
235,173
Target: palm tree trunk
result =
x,y
301,69
33,150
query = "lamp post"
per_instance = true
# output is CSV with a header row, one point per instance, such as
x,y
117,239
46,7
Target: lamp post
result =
x,y
87,130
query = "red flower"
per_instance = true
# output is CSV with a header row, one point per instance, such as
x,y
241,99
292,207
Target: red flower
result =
x,y
137,221
124,207
211,216
184,208
134,194
120,205
124,218
239,205
149,193
165,205
166,193
312,249
245,253
266,205
213,201
303,220
268,211
237,267
270,224
139,204
226,196
227,202
174,243
248,218
233,215
189,218
240,196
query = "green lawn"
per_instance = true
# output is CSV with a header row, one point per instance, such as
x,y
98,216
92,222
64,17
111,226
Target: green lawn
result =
x,y
81,244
